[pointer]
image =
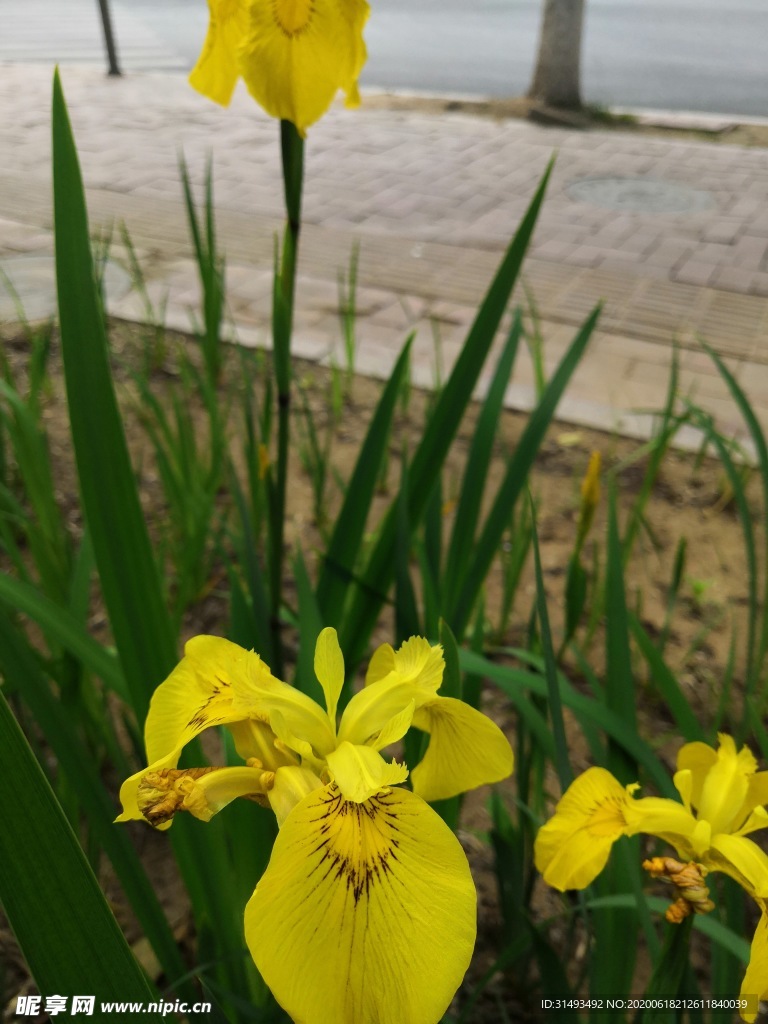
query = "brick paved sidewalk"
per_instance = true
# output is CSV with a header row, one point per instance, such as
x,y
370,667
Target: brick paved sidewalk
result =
x,y
432,200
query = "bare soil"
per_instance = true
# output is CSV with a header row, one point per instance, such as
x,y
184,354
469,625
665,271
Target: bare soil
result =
x,y
586,119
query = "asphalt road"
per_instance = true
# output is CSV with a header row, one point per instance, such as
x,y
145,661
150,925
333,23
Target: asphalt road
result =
x,y
707,55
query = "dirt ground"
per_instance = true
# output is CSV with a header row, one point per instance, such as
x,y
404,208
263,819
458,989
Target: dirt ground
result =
x,y
589,118
688,501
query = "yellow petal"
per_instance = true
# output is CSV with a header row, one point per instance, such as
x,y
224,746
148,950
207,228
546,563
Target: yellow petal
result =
x,y
726,785
297,54
395,679
757,819
395,729
666,819
200,791
590,497
207,795
260,695
289,788
572,848
466,750
197,694
216,71
683,781
129,791
420,663
352,98
291,742
697,758
416,661
755,800
755,985
360,772
372,709
381,664
701,841
219,683
366,912
255,741
329,669
743,860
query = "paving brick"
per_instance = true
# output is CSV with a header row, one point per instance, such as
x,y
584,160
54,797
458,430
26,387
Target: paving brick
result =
x,y
693,272
586,256
669,253
725,231
555,250
641,242
737,279
435,199
714,252
749,250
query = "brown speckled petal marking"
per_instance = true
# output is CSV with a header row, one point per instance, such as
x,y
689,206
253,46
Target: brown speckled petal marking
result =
x,y
365,913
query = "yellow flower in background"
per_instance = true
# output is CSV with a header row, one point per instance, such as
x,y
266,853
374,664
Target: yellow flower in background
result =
x,y
590,497
756,979
366,912
722,786
723,800
294,55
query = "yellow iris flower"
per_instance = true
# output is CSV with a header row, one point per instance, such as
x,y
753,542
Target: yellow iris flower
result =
x,y
294,55
366,912
723,797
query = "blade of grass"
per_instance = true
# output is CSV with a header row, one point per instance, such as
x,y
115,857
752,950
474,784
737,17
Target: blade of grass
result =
x,y
131,586
706,924
310,626
620,696
46,533
247,548
432,561
562,761
292,152
658,446
761,447
516,474
346,539
21,669
478,461
512,680
667,685
450,809
614,974
64,628
210,268
58,913
439,434
745,519
407,621
669,975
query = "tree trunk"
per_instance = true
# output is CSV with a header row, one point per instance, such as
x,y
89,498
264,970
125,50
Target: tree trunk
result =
x,y
556,80
109,38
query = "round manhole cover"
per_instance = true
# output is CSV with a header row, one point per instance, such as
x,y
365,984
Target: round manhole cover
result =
x,y
30,282
639,195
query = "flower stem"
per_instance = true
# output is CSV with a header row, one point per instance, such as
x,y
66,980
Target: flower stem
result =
x,y
292,150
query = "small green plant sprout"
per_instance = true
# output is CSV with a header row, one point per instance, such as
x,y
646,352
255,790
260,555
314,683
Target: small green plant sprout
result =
x,y
699,589
348,315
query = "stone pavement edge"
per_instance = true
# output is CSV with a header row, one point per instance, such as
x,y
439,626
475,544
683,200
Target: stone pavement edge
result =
x,y
670,235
